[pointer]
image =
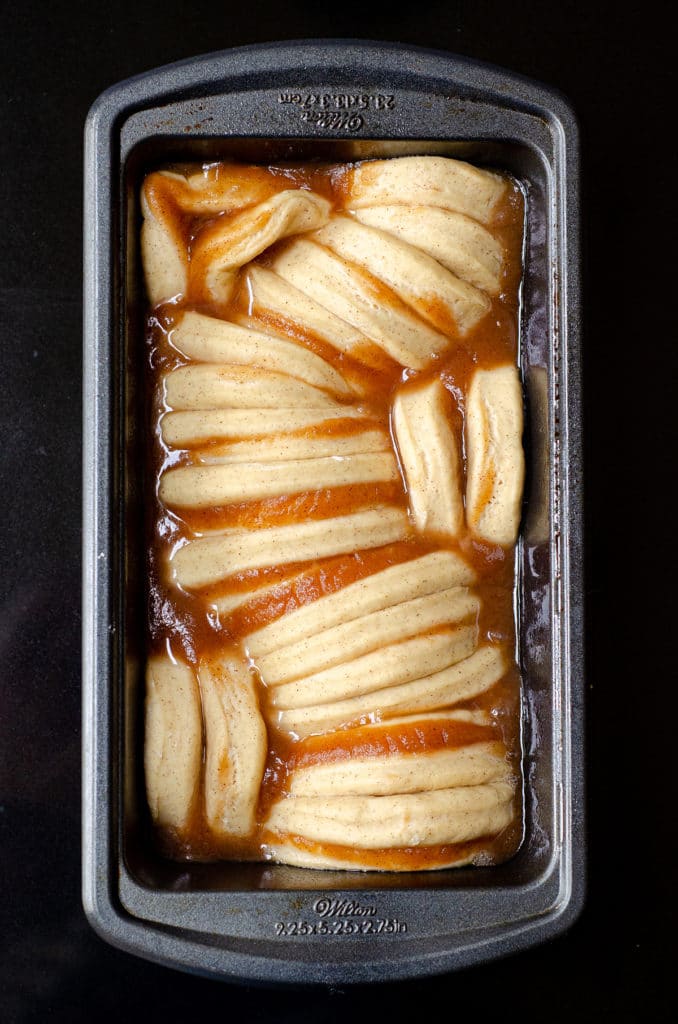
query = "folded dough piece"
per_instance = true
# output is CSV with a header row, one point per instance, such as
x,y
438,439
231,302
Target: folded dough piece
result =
x,y
210,559
427,181
415,277
429,455
380,822
236,744
457,242
495,459
222,188
165,195
208,340
173,741
232,242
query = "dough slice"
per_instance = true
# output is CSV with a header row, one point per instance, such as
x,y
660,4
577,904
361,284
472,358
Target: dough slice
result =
x,y
452,685
163,249
165,195
333,283
475,717
495,460
391,665
385,822
429,455
286,851
210,559
228,603
427,181
436,571
210,486
270,294
417,278
225,188
367,633
472,765
235,746
208,340
216,385
191,427
173,741
462,245
286,448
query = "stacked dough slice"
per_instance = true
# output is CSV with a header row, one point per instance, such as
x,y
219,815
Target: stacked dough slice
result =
x,y
396,650
408,267
259,415
214,710
488,503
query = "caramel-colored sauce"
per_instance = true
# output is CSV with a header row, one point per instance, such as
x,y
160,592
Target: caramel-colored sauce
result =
x,y
186,622
400,738
290,508
320,580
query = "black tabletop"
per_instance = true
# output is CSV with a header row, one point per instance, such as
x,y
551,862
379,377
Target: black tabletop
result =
x,y
617,70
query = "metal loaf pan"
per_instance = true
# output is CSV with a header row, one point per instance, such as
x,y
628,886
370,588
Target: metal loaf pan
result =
x,y
335,100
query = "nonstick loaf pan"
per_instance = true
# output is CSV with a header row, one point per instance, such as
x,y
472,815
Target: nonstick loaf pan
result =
x,y
330,101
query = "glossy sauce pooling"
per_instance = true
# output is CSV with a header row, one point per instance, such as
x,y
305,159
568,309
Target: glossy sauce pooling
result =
x,y
204,621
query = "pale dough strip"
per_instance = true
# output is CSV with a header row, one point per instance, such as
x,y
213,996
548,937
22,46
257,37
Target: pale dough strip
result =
x,y
210,559
460,682
438,570
360,636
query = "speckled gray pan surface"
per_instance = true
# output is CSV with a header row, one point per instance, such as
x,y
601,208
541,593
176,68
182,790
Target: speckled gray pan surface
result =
x,y
338,100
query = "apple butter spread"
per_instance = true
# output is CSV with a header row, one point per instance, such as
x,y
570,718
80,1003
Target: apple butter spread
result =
x,y
333,503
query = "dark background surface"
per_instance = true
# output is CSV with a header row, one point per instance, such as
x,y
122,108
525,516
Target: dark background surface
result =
x,y
618,70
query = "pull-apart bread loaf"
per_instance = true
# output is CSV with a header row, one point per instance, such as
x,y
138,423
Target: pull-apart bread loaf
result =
x,y
334,498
